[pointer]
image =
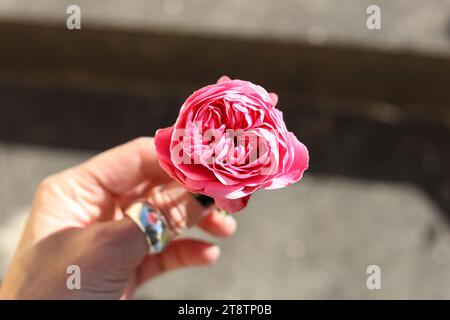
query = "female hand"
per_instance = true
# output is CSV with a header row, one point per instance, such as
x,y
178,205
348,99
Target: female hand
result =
x,y
78,219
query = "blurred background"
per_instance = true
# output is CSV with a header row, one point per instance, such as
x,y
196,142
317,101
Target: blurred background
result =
x,y
373,106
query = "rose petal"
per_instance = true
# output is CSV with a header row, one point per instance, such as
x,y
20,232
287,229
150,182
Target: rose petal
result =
x,y
234,205
274,98
223,79
227,169
299,165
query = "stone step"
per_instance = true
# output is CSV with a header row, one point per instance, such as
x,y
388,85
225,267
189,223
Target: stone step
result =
x,y
413,25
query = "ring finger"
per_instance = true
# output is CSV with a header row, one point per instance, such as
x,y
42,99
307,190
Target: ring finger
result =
x,y
181,208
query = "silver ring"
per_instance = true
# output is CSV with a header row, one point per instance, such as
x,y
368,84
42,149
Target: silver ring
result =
x,y
152,223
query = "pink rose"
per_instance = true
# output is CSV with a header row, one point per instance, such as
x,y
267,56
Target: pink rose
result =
x,y
230,140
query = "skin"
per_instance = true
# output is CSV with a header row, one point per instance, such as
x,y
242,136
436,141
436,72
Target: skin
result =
x,y
78,218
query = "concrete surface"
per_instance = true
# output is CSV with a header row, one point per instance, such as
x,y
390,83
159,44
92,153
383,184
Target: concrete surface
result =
x,y
406,25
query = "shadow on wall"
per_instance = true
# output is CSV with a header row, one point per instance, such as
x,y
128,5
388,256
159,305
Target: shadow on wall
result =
x,y
362,114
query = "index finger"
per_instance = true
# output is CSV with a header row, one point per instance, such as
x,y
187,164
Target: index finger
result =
x,y
126,166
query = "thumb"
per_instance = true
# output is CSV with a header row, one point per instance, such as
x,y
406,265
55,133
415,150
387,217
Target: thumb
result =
x,y
125,242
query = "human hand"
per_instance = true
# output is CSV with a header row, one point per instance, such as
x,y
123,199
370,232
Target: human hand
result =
x,y
78,219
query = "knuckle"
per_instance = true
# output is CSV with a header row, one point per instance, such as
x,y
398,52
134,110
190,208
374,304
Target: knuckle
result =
x,y
177,217
173,211
142,141
47,185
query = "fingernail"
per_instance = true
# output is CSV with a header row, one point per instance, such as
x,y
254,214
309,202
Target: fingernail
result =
x,y
213,252
205,201
223,213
